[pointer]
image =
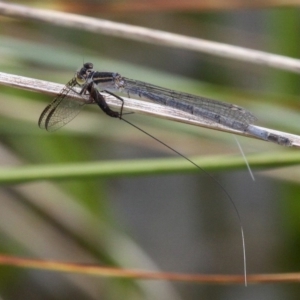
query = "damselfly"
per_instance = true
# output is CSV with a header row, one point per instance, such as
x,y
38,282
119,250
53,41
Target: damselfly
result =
x,y
64,108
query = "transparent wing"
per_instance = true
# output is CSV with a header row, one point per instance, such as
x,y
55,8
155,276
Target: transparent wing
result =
x,y
62,109
221,112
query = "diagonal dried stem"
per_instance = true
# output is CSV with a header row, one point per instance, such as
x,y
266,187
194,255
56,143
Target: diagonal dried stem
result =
x,y
151,36
136,106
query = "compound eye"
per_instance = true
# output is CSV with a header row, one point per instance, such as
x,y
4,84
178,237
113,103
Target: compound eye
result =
x,y
88,65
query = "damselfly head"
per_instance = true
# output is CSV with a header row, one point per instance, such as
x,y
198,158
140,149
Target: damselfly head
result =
x,y
83,74
88,66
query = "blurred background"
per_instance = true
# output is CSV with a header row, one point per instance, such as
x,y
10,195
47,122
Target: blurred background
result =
x,y
174,223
